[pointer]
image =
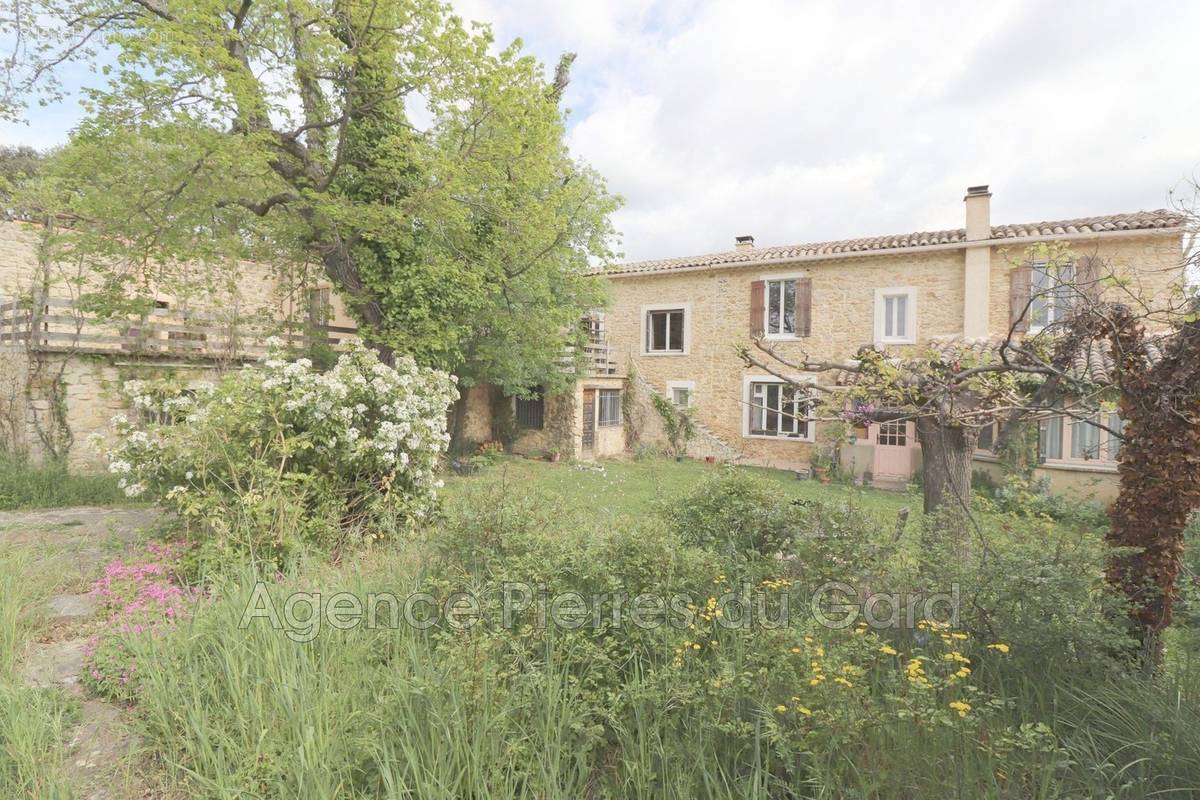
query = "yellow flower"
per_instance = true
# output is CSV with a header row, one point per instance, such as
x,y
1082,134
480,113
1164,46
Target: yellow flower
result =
x,y
842,681
816,681
795,649
696,646
1003,648
961,708
959,636
964,672
888,651
713,643
805,711
781,709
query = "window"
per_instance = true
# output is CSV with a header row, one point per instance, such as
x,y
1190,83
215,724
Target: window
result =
x,y
319,307
1050,293
608,407
1050,438
531,412
893,433
1085,440
664,331
780,308
1117,425
1080,440
681,393
779,409
896,316
987,438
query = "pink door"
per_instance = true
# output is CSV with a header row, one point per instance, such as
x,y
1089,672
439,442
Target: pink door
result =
x,y
893,450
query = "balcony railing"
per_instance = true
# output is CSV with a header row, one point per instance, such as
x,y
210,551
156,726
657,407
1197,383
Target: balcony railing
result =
x,y
57,324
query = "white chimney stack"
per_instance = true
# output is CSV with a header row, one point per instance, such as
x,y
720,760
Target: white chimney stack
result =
x,y
744,242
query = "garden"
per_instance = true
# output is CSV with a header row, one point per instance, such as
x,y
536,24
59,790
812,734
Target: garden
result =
x,y
309,620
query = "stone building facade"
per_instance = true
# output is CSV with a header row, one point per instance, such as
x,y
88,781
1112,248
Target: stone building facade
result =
x,y
62,368
673,326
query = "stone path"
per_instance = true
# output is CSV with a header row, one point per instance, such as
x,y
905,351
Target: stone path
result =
x,y
101,750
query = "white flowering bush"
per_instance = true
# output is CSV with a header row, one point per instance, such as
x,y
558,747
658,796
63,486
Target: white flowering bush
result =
x,y
277,456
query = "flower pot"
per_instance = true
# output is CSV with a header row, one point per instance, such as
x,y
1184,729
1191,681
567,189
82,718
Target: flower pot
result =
x,y
710,459
821,474
553,457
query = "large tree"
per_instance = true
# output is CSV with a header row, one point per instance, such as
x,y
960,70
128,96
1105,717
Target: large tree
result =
x,y
422,168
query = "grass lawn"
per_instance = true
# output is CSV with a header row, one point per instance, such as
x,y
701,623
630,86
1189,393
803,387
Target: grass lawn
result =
x,y
629,488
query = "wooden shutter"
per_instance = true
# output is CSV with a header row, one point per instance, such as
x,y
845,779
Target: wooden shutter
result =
x,y
757,309
1019,297
1087,277
803,306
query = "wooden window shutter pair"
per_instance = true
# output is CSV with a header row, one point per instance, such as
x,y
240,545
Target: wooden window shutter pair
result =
x,y
758,306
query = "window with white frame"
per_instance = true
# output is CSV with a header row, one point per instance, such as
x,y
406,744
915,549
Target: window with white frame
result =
x,y
1050,293
608,407
779,409
681,393
893,433
779,307
665,330
896,315
1095,440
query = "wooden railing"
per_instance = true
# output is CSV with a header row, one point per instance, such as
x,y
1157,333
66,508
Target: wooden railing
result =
x,y
57,324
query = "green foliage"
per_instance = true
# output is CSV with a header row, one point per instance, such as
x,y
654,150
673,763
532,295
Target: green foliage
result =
x,y
735,515
51,484
462,234
1029,582
677,421
277,458
1030,496
33,722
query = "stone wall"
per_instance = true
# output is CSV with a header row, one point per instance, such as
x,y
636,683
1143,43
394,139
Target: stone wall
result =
x,y
843,296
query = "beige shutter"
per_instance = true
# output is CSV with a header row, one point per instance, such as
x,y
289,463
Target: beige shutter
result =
x,y
757,309
804,306
1019,297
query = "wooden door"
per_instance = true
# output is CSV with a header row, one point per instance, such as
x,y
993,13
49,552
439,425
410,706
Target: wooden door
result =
x,y
589,419
893,450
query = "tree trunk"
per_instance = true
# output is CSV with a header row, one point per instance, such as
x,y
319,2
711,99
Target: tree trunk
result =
x,y
1160,479
947,453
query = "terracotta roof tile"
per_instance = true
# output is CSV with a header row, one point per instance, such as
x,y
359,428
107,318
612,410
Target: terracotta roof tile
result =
x,y
1138,220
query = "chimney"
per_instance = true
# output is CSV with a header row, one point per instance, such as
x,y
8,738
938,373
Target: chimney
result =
x,y
979,213
977,267
744,242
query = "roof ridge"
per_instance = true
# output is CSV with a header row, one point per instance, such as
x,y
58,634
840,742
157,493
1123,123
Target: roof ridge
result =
x,y
1158,218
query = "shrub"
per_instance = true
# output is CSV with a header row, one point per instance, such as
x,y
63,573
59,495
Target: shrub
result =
x,y
1029,582
276,457
734,512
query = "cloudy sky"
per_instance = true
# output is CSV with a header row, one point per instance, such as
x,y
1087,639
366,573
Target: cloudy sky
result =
x,y
801,122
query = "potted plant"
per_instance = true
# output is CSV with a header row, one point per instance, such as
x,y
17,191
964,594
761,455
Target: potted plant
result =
x,y
553,454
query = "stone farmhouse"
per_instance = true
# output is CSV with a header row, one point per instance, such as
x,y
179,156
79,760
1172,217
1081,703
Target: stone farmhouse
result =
x,y
673,324
63,363
670,329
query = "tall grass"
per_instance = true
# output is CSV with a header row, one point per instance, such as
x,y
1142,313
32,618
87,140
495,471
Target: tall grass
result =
x,y
25,484
32,721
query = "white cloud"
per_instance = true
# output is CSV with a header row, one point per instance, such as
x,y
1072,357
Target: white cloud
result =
x,y
804,121
808,121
